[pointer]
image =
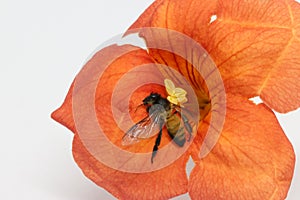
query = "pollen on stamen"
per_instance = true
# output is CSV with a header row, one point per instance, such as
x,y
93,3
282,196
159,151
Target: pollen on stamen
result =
x,y
176,95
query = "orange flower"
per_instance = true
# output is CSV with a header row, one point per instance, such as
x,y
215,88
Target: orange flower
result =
x,y
255,46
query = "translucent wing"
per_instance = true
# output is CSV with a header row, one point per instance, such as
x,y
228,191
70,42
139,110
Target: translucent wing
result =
x,y
146,128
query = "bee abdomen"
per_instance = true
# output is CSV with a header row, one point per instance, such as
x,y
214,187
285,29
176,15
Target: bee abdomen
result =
x,y
176,131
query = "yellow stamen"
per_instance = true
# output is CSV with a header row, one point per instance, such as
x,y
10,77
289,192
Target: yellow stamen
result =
x,y
177,95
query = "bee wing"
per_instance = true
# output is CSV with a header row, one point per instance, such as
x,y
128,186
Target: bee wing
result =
x,y
146,128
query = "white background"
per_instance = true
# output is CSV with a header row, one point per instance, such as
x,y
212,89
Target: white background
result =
x,y
43,44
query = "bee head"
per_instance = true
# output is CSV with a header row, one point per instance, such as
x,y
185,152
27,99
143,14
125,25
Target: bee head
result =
x,y
151,99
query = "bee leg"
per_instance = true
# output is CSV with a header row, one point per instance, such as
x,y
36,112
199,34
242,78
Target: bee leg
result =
x,y
187,126
157,143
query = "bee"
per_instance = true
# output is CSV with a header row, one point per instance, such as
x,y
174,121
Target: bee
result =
x,y
161,112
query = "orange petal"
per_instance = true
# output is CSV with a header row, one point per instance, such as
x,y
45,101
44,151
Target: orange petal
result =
x,y
253,158
162,184
64,114
169,14
136,57
255,44
126,76
191,17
